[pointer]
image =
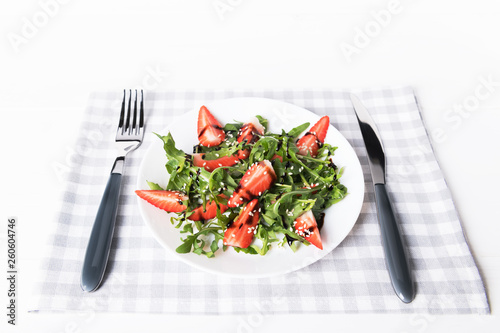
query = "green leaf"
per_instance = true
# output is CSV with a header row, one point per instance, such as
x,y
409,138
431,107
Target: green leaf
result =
x,y
295,132
186,246
154,186
263,121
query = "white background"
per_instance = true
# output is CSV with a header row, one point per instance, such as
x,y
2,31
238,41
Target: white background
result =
x,y
443,49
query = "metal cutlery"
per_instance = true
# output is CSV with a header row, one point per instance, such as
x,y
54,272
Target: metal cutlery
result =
x,y
395,255
129,136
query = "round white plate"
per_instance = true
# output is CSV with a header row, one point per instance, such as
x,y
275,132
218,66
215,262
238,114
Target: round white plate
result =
x,y
339,218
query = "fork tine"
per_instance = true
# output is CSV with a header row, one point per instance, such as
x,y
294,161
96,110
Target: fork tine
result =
x,y
122,114
134,120
141,116
127,122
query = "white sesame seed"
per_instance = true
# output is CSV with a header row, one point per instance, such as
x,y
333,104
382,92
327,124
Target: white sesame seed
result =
x,y
265,172
260,193
220,164
232,235
204,163
241,199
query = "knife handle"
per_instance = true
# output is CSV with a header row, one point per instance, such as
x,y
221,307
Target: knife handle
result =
x,y
96,256
395,256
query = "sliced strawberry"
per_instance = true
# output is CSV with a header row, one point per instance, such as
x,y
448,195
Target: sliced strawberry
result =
x,y
249,133
258,178
321,128
170,201
276,156
250,130
210,132
243,154
211,165
312,140
240,233
210,212
306,226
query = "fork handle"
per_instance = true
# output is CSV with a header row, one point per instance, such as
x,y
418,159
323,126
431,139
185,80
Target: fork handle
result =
x,y
96,256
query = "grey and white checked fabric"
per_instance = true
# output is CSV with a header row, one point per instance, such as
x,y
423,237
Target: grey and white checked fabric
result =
x,y
143,277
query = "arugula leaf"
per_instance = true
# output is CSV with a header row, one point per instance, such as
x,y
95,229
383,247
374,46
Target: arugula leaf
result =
x,y
295,132
263,121
154,186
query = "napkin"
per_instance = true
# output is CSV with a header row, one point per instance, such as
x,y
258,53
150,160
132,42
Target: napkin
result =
x,y
143,277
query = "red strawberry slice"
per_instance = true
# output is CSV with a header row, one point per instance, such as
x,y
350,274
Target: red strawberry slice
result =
x,y
312,140
210,212
211,165
243,154
210,132
305,225
170,201
250,130
249,133
240,233
276,156
258,178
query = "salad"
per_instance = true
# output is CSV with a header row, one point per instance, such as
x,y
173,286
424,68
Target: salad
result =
x,y
246,188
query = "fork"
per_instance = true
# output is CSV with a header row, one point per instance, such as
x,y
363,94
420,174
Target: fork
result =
x,y
128,137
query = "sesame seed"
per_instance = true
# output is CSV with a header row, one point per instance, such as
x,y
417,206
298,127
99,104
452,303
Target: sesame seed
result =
x,y
220,164
265,172
232,235
204,163
241,199
217,155
260,193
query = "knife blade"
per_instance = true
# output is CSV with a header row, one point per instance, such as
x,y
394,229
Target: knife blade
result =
x,y
396,258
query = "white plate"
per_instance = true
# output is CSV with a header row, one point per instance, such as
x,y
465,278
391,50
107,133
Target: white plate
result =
x,y
339,218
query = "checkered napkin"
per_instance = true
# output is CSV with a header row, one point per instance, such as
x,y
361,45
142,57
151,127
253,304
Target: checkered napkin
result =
x,y
143,277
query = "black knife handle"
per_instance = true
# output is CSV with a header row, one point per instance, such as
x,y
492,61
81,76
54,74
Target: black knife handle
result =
x,y
96,256
395,256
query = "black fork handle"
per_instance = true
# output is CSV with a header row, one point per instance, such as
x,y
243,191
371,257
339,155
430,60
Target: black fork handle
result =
x,y
96,256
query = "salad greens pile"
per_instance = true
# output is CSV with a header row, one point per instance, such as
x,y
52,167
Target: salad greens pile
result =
x,y
303,183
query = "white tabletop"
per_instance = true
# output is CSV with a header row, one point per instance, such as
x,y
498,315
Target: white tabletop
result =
x,y
55,52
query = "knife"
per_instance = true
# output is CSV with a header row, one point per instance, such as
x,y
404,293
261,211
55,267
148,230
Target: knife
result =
x,y
395,255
